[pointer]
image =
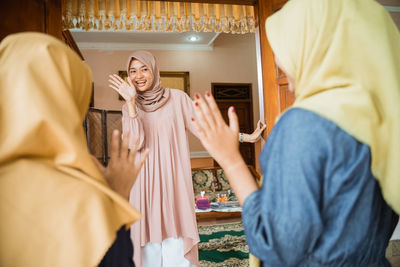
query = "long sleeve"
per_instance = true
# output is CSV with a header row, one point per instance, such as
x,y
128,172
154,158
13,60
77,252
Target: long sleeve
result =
x,y
319,203
188,113
134,126
282,220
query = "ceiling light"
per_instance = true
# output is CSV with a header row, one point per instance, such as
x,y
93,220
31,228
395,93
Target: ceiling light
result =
x,y
193,38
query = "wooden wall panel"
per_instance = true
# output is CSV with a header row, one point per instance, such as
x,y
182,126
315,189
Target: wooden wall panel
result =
x,y
54,18
17,16
30,15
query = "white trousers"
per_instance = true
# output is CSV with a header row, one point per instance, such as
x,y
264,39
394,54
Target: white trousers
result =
x,y
169,253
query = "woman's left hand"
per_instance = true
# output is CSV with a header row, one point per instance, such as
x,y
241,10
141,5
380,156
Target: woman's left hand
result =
x,y
217,137
256,135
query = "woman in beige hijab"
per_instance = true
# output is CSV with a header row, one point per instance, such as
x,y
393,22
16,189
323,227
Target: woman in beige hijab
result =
x,y
167,234
56,208
331,164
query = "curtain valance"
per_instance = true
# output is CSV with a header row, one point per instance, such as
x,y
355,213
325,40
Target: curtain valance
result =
x,y
164,16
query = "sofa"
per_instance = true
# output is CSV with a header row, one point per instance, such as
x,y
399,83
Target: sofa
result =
x,y
213,181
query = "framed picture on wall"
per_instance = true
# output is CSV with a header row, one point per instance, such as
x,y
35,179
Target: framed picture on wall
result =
x,y
169,79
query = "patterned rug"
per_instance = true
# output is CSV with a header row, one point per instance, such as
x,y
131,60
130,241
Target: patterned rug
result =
x,y
223,245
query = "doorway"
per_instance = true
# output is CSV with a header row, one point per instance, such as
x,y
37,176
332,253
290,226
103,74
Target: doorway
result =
x,y
238,95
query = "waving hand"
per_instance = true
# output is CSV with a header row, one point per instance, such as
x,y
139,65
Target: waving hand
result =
x,y
127,91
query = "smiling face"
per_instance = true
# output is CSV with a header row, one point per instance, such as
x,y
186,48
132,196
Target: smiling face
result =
x,y
140,75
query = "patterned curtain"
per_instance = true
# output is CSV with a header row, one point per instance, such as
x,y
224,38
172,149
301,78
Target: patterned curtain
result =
x,y
134,15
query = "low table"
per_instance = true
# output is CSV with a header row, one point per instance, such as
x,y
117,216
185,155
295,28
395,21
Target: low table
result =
x,y
219,213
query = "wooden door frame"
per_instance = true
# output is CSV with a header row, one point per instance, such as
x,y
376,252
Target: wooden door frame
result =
x,y
269,77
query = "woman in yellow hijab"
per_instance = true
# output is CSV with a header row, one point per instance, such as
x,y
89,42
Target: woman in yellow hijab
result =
x,y
331,160
56,208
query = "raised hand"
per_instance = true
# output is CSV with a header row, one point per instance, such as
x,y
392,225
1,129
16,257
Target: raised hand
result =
x,y
217,137
256,135
126,90
121,171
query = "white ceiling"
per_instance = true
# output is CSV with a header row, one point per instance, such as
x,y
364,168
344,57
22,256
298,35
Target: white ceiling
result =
x,y
144,40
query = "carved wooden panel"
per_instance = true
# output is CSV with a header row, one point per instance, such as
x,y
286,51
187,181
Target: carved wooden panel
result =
x,y
231,91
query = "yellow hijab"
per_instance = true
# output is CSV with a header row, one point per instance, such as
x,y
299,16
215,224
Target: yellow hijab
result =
x,y
55,207
344,57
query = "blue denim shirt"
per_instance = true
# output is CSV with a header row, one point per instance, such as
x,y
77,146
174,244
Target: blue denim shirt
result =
x,y
319,204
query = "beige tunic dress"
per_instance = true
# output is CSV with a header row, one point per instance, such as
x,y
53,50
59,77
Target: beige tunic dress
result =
x,y
163,191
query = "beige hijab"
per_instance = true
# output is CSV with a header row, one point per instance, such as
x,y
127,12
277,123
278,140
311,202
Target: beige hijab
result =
x,y
344,57
55,207
156,96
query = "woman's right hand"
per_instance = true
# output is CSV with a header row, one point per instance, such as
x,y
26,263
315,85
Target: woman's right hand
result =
x,y
122,170
127,91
